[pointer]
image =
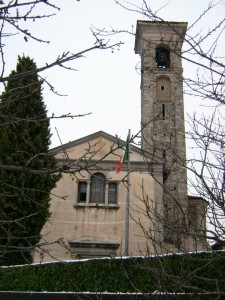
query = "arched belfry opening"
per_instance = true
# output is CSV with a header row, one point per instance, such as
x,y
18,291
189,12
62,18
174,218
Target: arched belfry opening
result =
x,y
162,57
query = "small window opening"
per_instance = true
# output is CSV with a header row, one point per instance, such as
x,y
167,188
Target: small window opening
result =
x,y
165,175
162,87
163,111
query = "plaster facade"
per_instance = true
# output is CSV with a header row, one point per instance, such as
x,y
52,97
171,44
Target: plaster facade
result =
x,y
78,230
162,216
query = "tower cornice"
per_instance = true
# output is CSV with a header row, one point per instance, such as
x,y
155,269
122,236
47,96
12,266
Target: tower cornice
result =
x,y
172,34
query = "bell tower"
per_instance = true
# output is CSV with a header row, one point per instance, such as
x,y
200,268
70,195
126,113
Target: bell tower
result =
x,y
162,117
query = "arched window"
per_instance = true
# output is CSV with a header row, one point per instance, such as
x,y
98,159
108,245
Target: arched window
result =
x,y
162,57
97,191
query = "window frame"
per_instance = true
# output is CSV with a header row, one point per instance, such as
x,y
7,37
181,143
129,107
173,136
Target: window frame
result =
x,y
89,202
97,188
81,191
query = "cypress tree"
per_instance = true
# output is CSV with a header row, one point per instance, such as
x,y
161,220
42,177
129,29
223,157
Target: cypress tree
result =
x,y
24,142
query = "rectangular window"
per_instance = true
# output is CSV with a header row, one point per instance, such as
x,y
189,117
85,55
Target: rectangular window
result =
x,y
112,193
82,192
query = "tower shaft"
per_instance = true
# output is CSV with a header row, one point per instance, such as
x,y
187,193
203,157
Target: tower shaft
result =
x,y
162,117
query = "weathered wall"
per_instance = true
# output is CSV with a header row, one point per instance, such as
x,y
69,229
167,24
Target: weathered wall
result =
x,y
99,223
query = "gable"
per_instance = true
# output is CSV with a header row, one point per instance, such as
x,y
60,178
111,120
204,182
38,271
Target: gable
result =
x,y
98,146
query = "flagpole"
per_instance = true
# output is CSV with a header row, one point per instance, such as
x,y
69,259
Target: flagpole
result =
x,y
127,200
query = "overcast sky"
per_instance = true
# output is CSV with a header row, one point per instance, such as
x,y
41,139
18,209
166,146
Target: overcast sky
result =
x,y
105,83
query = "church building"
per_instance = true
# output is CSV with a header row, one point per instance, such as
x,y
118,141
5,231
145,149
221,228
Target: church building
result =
x,y
143,209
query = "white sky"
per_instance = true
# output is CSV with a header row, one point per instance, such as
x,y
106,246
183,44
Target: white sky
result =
x,y
106,84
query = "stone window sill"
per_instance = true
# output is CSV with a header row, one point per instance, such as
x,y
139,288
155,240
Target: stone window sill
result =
x,y
96,205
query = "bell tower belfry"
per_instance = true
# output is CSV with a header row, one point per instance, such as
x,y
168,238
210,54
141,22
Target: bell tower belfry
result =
x,y
162,117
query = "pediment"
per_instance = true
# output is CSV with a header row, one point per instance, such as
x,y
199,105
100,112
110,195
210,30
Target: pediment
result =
x,y
101,146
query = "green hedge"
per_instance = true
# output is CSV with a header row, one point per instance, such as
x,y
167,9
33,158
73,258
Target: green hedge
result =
x,y
202,272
